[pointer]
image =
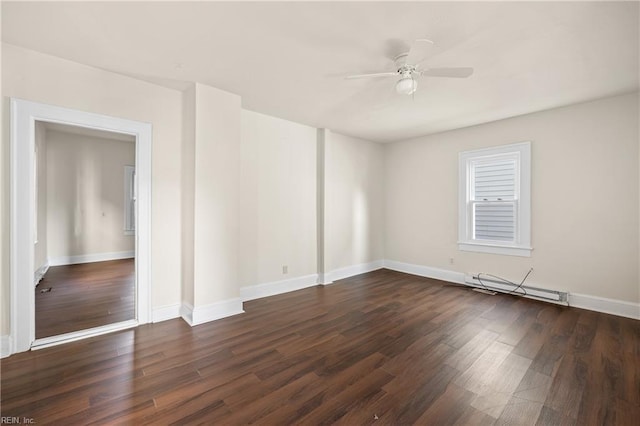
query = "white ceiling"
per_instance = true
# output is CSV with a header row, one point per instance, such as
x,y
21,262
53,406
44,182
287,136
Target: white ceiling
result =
x,y
288,59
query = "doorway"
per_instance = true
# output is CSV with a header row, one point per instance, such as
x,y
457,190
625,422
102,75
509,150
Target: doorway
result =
x,y
84,248
25,116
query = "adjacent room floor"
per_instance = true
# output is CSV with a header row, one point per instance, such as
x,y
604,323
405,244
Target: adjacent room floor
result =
x,y
84,296
382,347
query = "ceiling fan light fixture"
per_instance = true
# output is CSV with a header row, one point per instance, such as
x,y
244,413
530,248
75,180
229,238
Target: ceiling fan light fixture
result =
x,y
406,86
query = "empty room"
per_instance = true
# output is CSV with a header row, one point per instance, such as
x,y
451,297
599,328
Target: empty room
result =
x,y
320,213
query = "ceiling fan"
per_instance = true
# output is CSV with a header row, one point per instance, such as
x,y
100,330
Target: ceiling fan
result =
x,y
408,68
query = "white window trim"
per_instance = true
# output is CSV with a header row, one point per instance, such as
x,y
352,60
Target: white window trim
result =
x,y
36,179
522,246
129,194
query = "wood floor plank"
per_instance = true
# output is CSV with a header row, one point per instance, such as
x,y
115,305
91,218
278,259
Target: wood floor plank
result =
x,y
551,352
519,412
338,405
463,358
482,372
446,407
499,386
381,348
84,296
471,416
207,389
420,398
261,407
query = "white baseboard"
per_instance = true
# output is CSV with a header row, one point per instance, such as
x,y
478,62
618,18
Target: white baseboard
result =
x,y
584,301
277,287
186,312
201,314
607,306
5,346
73,336
40,273
89,258
214,311
164,313
425,271
349,271
322,281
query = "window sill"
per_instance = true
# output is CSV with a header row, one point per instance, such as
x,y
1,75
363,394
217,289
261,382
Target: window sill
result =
x,y
521,251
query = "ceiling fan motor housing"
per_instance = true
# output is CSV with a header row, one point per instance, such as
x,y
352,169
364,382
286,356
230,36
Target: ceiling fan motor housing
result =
x,y
401,59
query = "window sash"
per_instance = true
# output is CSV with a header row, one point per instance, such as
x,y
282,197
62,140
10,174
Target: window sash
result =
x,y
493,193
494,178
497,222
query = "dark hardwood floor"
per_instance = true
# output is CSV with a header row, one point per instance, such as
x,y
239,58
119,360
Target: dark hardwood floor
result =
x,y
379,348
84,296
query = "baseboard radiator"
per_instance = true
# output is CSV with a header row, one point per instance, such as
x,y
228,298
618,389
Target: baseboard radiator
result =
x,y
559,297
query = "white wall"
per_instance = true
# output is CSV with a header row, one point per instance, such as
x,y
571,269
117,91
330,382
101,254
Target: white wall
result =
x,y
216,198
354,201
585,198
188,192
40,249
277,199
42,78
85,188
5,194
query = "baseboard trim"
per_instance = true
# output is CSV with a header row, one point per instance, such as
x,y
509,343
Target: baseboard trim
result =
x,y
89,258
322,280
186,312
214,311
277,287
5,346
60,339
604,305
164,313
425,271
201,314
577,300
349,271
40,273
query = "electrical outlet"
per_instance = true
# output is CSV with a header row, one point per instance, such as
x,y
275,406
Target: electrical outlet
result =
x,y
285,269
451,260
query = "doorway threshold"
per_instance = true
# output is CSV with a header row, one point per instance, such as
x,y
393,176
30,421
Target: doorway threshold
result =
x,y
60,339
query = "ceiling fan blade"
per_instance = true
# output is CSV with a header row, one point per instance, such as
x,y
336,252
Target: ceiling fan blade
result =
x,y
419,51
460,72
376,74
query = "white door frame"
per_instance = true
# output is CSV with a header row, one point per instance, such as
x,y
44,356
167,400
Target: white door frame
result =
x,y
24,114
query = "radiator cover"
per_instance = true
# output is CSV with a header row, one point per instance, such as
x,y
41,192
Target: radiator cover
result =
x,y
560,297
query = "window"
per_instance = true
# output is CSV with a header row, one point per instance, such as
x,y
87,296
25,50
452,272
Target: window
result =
x,y
129,200
35,195
494,200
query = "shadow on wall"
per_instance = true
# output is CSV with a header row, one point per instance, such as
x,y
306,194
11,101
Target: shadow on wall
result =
x,y
86,184
360,225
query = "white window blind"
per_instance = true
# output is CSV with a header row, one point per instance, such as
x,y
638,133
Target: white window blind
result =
x,y
493,201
